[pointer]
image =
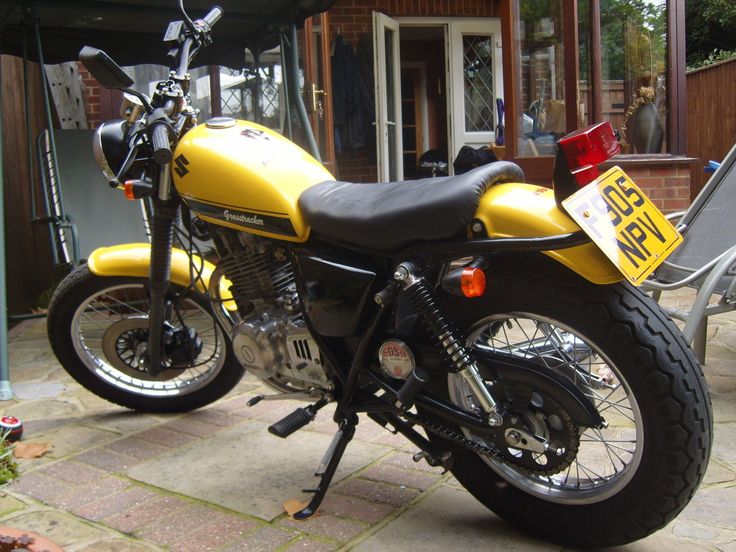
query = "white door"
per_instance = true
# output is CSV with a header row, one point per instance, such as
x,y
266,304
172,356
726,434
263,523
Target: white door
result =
x,y
387,79
475,81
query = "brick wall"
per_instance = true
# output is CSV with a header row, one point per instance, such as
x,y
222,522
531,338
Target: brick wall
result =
x,y
667,187
353,18
667,180
92,102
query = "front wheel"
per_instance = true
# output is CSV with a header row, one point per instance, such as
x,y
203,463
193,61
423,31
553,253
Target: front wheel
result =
x,y
98,329
600,487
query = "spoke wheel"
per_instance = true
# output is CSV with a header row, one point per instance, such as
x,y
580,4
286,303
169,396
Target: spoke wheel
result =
x,y
98,328
603,460
619,349
109,332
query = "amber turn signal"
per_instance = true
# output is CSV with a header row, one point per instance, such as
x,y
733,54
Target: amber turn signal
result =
x,y
473,282
136,189
468,281
129,191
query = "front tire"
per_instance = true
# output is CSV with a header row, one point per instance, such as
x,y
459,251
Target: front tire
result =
x,y
623,352
97,327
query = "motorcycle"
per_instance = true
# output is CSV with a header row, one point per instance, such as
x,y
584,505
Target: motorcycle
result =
x,y
492,323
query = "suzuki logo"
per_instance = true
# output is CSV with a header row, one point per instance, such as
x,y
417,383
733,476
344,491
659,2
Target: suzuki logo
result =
x,y
181,163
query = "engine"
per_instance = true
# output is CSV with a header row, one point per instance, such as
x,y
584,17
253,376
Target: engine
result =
x,y
269,336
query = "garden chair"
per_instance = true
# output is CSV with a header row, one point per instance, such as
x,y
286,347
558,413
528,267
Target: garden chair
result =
x,y
706,260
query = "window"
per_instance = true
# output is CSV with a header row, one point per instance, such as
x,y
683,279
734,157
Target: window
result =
x,y
542,120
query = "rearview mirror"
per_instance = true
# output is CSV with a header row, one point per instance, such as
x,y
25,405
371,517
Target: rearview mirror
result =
x,y
108,73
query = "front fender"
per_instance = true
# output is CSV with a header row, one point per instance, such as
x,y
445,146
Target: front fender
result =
x,y
134,259
525,211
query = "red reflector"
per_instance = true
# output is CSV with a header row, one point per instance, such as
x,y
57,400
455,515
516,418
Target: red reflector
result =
x,y
585,148
129,190
473,282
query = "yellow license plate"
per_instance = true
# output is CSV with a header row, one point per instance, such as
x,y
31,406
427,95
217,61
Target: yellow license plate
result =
x,y
624,224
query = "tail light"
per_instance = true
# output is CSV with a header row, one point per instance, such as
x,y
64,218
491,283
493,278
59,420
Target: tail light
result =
x,y
578,157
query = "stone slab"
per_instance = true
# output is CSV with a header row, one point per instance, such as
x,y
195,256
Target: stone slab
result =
x,y
248,470
724,444
37,390
64,529
449,519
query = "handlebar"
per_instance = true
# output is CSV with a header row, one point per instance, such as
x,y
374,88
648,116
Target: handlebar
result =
x,y
213,16
160,142
199,37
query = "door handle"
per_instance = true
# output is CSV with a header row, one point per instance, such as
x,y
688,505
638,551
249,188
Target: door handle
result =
x,y
314,102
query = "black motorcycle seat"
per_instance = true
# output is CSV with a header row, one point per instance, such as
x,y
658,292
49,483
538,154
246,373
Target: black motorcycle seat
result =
x,y
386,216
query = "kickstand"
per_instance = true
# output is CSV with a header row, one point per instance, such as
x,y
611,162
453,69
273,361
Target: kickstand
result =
x,y
343,436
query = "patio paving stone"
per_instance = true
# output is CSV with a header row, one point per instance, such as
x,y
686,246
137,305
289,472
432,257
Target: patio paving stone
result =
x,y
137,448
457,522
114,503
135,518
266,539
328,526
311,545
214,479
373,491
356,508
399,476
62,528
248,470
107,460
165,436
117,545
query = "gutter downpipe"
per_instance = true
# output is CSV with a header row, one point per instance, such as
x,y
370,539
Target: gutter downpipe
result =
x,y
6,393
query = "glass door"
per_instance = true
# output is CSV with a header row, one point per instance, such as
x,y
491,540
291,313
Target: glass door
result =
x,y
317,84
388,98
476,74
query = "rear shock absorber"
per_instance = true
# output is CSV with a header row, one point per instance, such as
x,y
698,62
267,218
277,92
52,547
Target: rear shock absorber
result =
x,y
448,338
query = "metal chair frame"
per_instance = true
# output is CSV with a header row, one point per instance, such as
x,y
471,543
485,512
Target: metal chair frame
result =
x,y
705,279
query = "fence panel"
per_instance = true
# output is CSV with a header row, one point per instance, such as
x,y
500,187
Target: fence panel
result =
x,y
711,115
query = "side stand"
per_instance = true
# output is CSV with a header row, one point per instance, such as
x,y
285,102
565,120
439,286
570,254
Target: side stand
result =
x,y
337,448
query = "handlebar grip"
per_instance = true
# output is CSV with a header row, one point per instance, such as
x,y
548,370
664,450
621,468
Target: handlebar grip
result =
x,y
161,146
213,16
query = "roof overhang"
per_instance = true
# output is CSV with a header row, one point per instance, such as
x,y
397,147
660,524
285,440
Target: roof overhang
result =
x,y
131,31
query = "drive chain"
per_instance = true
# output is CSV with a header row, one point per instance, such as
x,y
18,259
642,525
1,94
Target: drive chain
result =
x,y
490,451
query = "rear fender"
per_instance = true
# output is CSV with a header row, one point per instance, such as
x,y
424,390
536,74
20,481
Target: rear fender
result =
x,y
134,259
527,211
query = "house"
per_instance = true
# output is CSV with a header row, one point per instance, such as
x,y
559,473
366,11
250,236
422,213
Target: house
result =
x,y
436,75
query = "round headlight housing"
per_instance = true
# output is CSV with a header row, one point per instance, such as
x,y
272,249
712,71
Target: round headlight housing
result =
x,y
111,148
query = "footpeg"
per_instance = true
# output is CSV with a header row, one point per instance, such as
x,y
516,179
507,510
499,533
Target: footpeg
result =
x,y
445,460
296,420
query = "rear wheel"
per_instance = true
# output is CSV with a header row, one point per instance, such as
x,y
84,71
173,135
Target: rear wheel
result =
x,y
98,329
593,487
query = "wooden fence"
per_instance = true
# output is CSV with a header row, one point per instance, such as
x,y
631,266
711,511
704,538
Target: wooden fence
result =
x,y
711,115
28,254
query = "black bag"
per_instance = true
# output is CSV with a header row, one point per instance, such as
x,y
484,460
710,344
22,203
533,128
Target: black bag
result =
x,y
468,158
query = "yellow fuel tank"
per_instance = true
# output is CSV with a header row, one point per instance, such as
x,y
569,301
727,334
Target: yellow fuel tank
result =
x,y
242,175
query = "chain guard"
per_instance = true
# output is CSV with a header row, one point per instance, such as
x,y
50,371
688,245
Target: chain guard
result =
x,y
488,450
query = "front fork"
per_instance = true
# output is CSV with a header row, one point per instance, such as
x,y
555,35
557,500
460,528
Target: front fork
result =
x,y
165,214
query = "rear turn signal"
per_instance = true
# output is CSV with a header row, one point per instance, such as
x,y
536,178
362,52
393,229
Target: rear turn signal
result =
x,y
467,281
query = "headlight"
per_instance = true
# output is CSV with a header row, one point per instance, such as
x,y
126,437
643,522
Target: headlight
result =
x,y
111,148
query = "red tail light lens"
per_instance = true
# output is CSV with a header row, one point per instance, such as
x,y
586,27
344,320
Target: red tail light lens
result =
x,y
584,149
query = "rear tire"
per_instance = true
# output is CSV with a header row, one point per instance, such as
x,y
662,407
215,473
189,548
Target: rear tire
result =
x,y
653,368
94,324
